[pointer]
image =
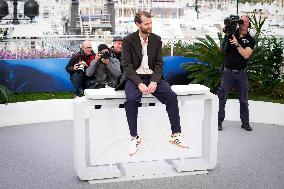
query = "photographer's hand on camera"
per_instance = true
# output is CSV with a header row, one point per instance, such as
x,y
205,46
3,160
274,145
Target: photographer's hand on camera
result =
x,y
234,41
105,61
80,67
76,66
97,57
83,63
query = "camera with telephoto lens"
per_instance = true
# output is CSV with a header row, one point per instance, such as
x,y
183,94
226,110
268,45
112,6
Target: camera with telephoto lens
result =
x,y
231,24
81,69
105,54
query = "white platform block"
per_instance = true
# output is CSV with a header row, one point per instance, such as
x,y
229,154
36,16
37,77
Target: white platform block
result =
x,y
102,136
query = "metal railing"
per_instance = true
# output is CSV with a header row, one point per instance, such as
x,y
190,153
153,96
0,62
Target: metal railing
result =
x,y
61,45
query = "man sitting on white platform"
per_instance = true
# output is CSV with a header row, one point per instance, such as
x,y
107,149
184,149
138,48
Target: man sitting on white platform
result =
x,y
143,65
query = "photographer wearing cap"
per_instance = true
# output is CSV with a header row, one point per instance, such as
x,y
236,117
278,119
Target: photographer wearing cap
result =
x,y
77,65
237,46
104,69
117,47
116,53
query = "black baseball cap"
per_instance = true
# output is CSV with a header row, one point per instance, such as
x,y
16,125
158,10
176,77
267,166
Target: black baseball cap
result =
x,y
117,38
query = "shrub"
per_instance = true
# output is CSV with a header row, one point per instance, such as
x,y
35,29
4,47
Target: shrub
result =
x,y
5,95
181,48
278,91
264,65
210,58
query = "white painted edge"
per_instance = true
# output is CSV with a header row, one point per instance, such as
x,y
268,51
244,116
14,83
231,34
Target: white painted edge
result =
x,y
62,109
36,112
260,112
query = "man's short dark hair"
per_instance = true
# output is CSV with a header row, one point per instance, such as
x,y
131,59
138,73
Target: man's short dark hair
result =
x,y
137,18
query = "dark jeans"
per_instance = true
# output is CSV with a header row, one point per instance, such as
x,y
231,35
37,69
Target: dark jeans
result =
x,y
230,79
163,93
78,81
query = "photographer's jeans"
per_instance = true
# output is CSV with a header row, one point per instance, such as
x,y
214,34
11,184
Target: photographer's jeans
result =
x,y
240,81
77,80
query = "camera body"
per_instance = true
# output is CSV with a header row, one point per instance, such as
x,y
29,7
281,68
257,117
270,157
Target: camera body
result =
x,y
231,24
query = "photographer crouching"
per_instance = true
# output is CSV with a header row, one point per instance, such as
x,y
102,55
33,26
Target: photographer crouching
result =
x,y
77,65
104,69
237,46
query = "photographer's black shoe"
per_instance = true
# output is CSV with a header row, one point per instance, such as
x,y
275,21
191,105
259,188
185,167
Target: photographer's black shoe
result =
x,y
220,127
246,126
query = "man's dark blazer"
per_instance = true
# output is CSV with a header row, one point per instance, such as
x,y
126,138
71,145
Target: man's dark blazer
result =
x,y
131,56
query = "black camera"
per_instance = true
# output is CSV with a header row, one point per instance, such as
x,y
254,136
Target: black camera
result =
x,y
231,24
105,54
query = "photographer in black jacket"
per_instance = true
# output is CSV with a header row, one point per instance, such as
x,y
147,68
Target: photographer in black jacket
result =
x,y
78,65
237,47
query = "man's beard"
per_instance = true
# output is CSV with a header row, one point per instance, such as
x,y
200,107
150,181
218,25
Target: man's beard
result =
x,y
145,31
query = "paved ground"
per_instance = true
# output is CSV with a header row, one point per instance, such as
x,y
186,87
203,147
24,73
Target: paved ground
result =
x,y
41,156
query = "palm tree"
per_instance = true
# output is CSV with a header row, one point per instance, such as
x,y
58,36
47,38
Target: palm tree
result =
x,y
257,25
210,59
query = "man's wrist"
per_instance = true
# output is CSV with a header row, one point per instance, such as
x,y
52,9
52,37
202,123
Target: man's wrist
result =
x,y
140,84
239,45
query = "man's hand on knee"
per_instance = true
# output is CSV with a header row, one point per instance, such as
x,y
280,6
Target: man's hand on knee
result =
x,y
143,88
152,87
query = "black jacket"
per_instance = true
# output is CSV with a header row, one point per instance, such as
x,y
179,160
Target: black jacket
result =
x,y
131,56
76,58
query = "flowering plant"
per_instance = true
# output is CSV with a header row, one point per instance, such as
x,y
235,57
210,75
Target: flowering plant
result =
x,y
34,54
